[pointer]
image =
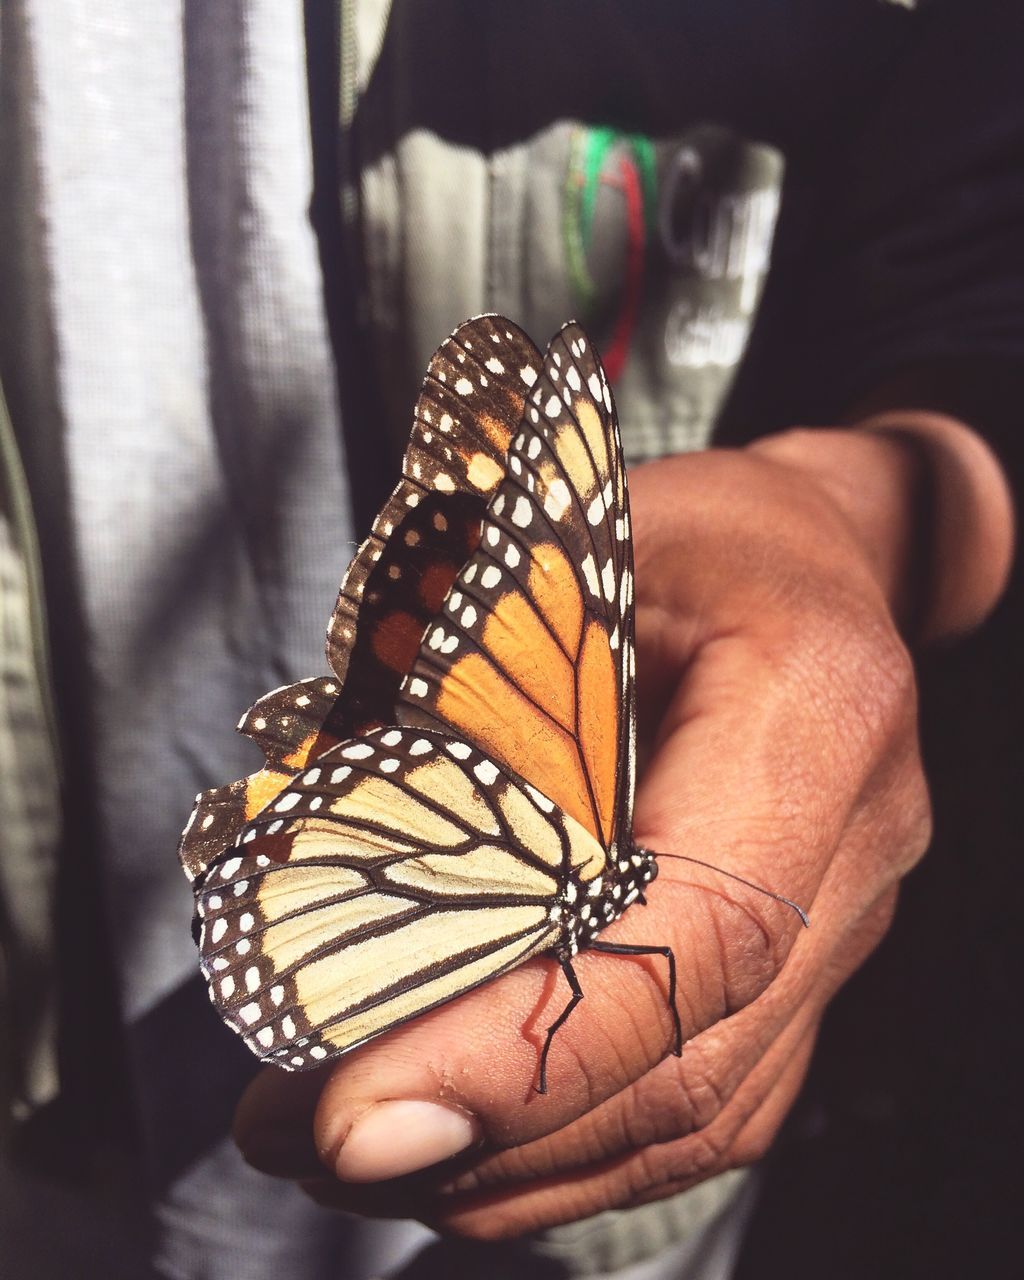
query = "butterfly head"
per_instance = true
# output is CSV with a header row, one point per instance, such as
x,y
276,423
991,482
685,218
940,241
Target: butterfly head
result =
x,y
585,908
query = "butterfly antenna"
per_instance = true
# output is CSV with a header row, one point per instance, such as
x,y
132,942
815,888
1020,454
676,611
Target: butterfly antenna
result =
x,y
730,875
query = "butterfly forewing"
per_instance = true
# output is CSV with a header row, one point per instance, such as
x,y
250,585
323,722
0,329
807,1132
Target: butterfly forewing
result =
x,y
400,870
471,403
532,653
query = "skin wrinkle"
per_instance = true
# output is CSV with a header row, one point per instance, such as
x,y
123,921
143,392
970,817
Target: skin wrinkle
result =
x,y
678,1164
692,1121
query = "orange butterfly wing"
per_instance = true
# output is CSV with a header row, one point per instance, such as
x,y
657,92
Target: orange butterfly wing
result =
x,y
532,655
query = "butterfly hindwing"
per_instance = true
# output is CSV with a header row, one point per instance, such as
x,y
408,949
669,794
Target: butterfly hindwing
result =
x,y
400,870
532,654
290,725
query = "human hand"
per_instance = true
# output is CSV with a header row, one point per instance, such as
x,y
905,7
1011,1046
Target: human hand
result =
x,y
778,723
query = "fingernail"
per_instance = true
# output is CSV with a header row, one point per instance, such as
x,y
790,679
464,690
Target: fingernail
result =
x,y
393,1138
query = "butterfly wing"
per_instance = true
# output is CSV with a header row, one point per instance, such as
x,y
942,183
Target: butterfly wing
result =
x,y
400,870
532,656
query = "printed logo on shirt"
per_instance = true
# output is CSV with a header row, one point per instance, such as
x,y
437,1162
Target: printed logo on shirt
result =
x,y
667,247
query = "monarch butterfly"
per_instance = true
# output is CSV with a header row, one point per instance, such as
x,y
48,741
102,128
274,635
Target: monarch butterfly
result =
x,y
457,797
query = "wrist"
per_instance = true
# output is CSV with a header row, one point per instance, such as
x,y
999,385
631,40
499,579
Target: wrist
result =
x,y
929,504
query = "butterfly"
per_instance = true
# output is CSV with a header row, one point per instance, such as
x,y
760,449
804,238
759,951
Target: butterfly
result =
x,y
457,796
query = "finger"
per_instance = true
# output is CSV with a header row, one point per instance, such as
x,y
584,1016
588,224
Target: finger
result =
x,y
686,1095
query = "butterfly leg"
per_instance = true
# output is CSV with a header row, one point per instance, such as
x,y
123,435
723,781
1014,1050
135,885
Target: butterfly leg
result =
x,y
624,949
574,999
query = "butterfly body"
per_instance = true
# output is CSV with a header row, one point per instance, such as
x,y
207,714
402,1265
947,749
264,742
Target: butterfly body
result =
x,y
458,797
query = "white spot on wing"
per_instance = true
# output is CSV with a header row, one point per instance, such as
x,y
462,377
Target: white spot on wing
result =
x,y
540,799
523,513
608,580
486,772
590,573
558,498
